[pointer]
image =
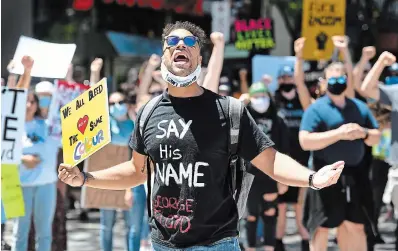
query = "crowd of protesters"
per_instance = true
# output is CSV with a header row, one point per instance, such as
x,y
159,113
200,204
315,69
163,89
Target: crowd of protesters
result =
x,y
351,116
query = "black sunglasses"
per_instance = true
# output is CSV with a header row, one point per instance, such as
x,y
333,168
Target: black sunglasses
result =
x,y
189,41
120,102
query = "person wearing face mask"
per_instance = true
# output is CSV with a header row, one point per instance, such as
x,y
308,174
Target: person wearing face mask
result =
x,y
289,106
121,127
338,127
262,200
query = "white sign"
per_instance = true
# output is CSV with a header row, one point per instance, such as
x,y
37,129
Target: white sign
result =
x,y
13,108
221,18
51,60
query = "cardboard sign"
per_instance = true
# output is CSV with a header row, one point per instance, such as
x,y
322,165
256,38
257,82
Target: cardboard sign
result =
x,y
270,65
108,156
51,60
322,20
64,93
254,34
13,108
85,124
221,18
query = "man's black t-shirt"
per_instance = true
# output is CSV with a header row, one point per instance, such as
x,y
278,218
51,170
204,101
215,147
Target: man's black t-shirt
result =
x,y
292,112
187,140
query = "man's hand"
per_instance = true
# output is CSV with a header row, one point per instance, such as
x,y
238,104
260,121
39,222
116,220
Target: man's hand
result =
x,y
368,52
30,161
340,42
299,46
351,131
96,65
387,58
154,61
128,198
243,74
245,98
27,63
328,175
217,38
70,175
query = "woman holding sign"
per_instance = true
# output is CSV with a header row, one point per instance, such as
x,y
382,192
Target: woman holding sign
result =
x,y
38,181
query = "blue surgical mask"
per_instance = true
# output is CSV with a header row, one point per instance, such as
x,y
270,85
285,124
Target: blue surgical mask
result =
x,y
118,111
44,101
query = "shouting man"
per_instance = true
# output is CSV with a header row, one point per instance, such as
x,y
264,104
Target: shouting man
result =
x,y
187,141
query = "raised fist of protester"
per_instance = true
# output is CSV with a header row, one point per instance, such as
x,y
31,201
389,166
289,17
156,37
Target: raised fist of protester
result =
x,y
217,38
368,52
299,46
340,42
70,175
328,175
387,58
27,62
96,65
351,131
243,74
154,61
245,98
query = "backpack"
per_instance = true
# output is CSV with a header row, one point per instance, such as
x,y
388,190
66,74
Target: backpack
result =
x,y
241,179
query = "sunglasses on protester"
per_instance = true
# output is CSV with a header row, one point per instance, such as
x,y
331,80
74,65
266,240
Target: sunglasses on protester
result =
x,y
120,102
339,80
189,41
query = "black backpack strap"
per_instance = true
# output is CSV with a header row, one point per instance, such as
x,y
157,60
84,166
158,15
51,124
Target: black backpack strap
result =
x,y
143,121
235,111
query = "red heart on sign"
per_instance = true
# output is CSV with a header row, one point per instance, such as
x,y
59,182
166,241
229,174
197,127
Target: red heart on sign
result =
x,y
82,124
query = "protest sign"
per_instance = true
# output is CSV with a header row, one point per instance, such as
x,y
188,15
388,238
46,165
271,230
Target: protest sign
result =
x,y
85,124
64,93
108,156
51,60
254,34
322,20
269,65
221,18
13,108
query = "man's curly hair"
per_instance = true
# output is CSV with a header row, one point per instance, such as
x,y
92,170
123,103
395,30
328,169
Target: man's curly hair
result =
x,y
194,29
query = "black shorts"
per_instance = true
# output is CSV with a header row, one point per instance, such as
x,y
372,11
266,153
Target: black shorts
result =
x,y
342,201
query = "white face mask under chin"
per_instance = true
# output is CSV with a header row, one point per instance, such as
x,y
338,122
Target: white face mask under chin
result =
x,y
289,95
179,81
260,105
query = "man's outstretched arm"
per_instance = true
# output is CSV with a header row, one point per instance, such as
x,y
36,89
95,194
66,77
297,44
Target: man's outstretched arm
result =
x,y
125,175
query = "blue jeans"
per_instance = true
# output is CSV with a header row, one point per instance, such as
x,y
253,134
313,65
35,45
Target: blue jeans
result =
x,y
133,219
226,244
41,202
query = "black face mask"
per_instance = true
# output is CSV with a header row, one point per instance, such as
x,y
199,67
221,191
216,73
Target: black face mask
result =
x,y
337,86
286,87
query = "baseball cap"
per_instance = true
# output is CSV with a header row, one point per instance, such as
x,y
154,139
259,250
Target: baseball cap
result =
x,y
44,87
224,88
286,70
258,87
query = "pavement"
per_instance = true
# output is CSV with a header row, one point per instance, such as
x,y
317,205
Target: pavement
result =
x,y
84,236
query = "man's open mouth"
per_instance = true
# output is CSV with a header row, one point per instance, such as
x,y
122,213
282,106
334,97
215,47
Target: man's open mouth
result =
x,y
181,58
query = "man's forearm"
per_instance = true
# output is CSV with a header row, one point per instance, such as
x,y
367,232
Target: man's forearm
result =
x,y
118,177
302,90
370,84
212,78
318,140
288,171
350,92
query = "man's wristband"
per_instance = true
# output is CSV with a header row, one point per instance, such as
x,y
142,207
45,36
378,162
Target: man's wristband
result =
x,y
84,178
311,181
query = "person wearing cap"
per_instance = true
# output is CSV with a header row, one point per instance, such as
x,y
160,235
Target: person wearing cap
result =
x,y
392,79
224,89
44,91
290,107
262,200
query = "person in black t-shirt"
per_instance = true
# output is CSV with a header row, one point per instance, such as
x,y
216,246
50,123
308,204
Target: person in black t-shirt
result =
x,y
262,200
187,142
290,108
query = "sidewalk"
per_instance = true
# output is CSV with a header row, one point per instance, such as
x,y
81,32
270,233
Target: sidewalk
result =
x,y
85,236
